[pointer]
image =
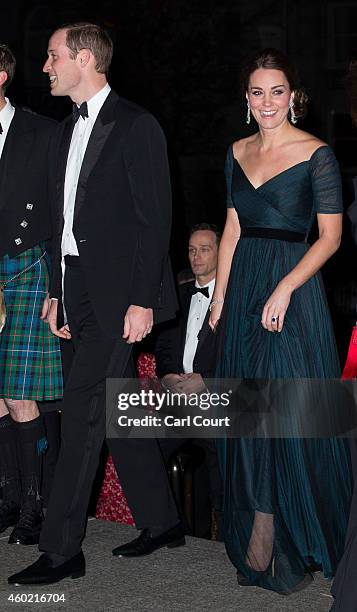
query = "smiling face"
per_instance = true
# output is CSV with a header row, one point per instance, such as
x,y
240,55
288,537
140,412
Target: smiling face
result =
x,y
269,95
64,72
203,253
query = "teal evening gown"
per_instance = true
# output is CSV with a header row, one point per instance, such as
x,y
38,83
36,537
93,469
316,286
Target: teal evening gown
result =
x,y
286,501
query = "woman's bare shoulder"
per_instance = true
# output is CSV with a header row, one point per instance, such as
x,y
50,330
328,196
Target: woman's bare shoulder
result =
x,y
308,143
239,146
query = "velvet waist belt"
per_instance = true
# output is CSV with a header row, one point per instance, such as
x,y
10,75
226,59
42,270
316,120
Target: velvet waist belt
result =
x,y
272,233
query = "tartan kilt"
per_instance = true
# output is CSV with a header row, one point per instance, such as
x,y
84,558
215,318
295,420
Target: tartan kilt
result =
x,y
30,356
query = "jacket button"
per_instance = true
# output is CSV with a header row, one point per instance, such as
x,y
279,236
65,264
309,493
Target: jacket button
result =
x,y
18,241
24,223
29,206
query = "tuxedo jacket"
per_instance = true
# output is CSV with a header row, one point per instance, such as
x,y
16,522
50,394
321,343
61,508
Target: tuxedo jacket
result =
x,y
170,344
122,215
24,189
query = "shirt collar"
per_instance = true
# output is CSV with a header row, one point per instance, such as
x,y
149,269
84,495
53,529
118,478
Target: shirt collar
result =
x,y
6,114
97,101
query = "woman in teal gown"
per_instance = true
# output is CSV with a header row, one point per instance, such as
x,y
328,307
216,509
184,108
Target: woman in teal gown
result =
x,y
286,501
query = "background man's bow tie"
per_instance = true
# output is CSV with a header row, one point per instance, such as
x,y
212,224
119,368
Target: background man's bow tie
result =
x,y
203,290
82,111
1,130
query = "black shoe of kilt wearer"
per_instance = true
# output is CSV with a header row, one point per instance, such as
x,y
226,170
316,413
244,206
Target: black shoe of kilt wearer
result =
x,y
42,572
146,544
9,514
27,530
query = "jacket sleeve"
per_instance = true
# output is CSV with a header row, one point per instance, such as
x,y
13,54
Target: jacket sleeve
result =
x,y
146,162
167,349
54,247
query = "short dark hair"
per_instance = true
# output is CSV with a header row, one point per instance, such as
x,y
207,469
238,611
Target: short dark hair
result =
x,y
83,35
274,59
207,226
7,64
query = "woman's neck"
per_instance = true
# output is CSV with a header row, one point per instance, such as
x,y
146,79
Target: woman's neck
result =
x,y
275,137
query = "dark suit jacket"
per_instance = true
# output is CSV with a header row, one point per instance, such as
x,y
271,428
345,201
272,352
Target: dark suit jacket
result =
x,y
170,343
24,200
122,215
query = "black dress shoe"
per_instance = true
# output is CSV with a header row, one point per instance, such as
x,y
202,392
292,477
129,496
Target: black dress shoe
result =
x,y
145,544
42,572
9,514
28,529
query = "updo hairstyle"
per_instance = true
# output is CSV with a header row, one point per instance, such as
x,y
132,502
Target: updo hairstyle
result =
x,y
274,59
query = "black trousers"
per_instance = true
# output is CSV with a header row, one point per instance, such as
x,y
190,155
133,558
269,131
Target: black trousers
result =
x,y
139,462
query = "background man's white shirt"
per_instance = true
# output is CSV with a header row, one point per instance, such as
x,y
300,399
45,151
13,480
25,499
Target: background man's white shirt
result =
x,y
196,316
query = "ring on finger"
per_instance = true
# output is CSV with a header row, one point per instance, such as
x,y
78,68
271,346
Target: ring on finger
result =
x,y
274,319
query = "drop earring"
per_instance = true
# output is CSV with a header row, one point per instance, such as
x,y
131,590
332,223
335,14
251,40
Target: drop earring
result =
x,y
293,117
248,113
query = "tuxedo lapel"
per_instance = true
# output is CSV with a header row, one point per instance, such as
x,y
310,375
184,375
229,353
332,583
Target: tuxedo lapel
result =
x,y
204,330
60,162
101,130
186,303
14,157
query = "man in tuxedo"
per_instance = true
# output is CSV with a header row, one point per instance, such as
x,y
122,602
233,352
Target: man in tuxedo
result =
x,y
112,217
186,348
30,360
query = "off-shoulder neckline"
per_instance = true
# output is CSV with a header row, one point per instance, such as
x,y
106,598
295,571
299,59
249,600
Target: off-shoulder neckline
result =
x,y
272,178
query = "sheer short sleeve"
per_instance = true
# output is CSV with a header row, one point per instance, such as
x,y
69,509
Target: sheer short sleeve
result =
x,y
228,170
326,181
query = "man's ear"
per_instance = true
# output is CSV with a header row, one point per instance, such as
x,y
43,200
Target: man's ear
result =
x,y
84,56
3,78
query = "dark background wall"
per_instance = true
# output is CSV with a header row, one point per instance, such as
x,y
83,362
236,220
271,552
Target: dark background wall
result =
x,y
180,59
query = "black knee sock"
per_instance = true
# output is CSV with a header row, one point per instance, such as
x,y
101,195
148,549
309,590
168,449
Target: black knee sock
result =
x,y
9,469
31,444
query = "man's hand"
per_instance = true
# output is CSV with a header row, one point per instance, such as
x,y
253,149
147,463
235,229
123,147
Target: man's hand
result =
x,y
138,323
169,382
52,321
45,308
190,383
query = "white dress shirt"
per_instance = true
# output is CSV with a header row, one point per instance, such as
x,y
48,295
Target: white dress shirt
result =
x,y
6,116
80,137
196,316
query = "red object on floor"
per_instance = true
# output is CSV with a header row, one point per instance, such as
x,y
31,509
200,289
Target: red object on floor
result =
x,y
112,505
146,366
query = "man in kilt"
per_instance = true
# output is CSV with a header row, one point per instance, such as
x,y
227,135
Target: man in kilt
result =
x,y
30,359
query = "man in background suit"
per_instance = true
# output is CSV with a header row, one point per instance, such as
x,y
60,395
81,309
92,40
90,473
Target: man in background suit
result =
x,y
112,220
186,349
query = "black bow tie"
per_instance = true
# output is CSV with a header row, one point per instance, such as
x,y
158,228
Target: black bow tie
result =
x,y
204,290
1,130
81,111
